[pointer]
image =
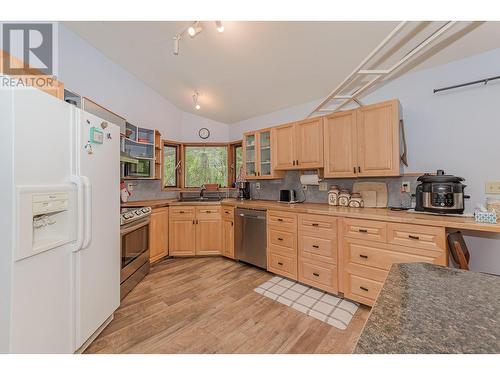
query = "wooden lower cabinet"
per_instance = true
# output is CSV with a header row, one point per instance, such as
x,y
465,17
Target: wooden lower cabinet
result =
x,y
158,234
195,231
320,275
228,238
282,243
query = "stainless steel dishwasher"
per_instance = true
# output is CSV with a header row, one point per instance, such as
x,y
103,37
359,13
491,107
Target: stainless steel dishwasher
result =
x,y
250,237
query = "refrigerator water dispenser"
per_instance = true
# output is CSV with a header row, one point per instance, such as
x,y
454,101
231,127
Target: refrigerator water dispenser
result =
x,y
45,219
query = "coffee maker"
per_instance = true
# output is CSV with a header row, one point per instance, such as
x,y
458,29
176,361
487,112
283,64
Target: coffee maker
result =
x,y
243,189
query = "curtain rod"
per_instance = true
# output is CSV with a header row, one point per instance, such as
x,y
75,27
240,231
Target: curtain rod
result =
x,y
485,81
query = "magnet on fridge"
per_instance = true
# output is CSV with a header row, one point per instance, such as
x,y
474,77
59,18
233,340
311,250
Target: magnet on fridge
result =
x,y
108,136
96,135
88,148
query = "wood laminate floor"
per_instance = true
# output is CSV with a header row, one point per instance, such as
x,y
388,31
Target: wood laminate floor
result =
x,y
207,305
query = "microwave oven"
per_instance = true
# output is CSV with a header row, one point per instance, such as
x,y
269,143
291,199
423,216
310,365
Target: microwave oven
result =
x,y
141,169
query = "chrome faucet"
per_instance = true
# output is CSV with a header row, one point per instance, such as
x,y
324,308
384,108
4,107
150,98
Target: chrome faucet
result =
x,y
202,191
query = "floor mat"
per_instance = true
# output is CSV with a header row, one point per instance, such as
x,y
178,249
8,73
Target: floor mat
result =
x,y
328,308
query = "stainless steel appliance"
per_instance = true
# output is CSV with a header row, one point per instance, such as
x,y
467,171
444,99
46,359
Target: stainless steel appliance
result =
x,y
243,189
134,232
250,237
440,193
288,196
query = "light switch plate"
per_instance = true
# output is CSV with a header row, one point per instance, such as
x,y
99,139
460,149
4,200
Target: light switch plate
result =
x,y
257,185
492,187
323,186
405,187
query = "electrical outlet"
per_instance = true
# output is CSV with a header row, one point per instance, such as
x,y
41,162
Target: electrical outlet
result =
x,y
492,187
130,186
323,186
304,187
405,187
257,185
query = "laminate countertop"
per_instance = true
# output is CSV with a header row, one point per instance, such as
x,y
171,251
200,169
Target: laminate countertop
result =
x,y
425,308
382,214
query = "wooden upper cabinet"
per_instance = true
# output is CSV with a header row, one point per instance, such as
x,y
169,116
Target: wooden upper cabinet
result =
x,y
283,141
257,155
378,139
298,145
340,144
309,143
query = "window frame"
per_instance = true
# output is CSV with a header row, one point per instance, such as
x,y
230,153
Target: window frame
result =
x,y
181,156
232,160
178,159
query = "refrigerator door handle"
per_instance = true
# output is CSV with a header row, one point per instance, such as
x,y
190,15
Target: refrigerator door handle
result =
x,y
79,191
87,212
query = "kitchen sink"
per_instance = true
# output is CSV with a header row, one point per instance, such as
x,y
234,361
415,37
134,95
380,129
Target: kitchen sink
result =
x,y
200,199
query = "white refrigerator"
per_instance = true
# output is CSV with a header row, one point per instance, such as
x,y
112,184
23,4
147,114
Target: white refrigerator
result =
x,y
60,253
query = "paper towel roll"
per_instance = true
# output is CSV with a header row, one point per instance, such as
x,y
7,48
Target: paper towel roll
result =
x,y
309,179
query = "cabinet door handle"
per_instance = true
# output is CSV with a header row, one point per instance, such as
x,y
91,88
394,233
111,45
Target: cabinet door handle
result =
x,y
280,219
293,162
363,230
297,162
316,246
359,169
181,212
413,237
280,239
354,169
363,256
226,212
315,224
208,212
232,223
316,274
193,222
280,263
363,288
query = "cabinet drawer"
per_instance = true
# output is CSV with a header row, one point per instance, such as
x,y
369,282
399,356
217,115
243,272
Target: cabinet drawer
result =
x,y
319,275
322,225
379,255
281,238
182,212
362,289
365,229
316,248
283,220
227,212
208,213
282,265
420,236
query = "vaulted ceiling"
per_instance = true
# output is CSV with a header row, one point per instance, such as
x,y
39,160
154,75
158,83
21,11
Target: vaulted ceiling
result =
x,y
253,68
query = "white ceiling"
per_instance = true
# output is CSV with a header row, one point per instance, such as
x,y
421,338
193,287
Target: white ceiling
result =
x,y
255,68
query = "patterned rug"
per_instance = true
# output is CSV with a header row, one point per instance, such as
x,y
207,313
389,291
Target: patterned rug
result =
x,y
328,308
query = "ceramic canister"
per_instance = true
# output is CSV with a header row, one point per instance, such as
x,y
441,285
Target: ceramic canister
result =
x,y
344,198
333,196
356,200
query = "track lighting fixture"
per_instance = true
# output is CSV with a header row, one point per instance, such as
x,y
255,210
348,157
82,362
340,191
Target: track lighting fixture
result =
x,y
193,30
220,26
195,100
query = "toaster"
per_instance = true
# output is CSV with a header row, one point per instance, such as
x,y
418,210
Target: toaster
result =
x,y
288,196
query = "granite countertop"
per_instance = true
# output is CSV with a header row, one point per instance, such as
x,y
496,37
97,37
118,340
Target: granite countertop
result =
x,y
424,308
382,214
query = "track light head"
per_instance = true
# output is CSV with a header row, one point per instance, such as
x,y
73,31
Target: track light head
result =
x,y
194,29
220,26
195,101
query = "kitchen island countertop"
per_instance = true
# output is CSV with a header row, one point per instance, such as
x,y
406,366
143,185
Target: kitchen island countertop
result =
x,y
425,308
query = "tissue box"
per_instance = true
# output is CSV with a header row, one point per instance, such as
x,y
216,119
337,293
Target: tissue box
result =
x,y
486,217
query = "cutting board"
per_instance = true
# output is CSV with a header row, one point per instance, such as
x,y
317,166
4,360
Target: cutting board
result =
x,y
379,187
369,198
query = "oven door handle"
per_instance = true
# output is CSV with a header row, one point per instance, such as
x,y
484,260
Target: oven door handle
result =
x,y
77,181
87,188
139,225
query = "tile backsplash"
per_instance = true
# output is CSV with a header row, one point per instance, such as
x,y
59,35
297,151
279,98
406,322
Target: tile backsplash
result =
x,y
269,189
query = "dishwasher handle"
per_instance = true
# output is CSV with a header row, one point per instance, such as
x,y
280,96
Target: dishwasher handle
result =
x,y
253,217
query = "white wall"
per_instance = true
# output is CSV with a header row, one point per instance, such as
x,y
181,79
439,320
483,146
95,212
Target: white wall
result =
x,y
457,130
87,71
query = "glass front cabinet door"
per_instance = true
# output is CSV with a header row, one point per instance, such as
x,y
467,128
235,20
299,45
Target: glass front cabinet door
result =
x,y
257,155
